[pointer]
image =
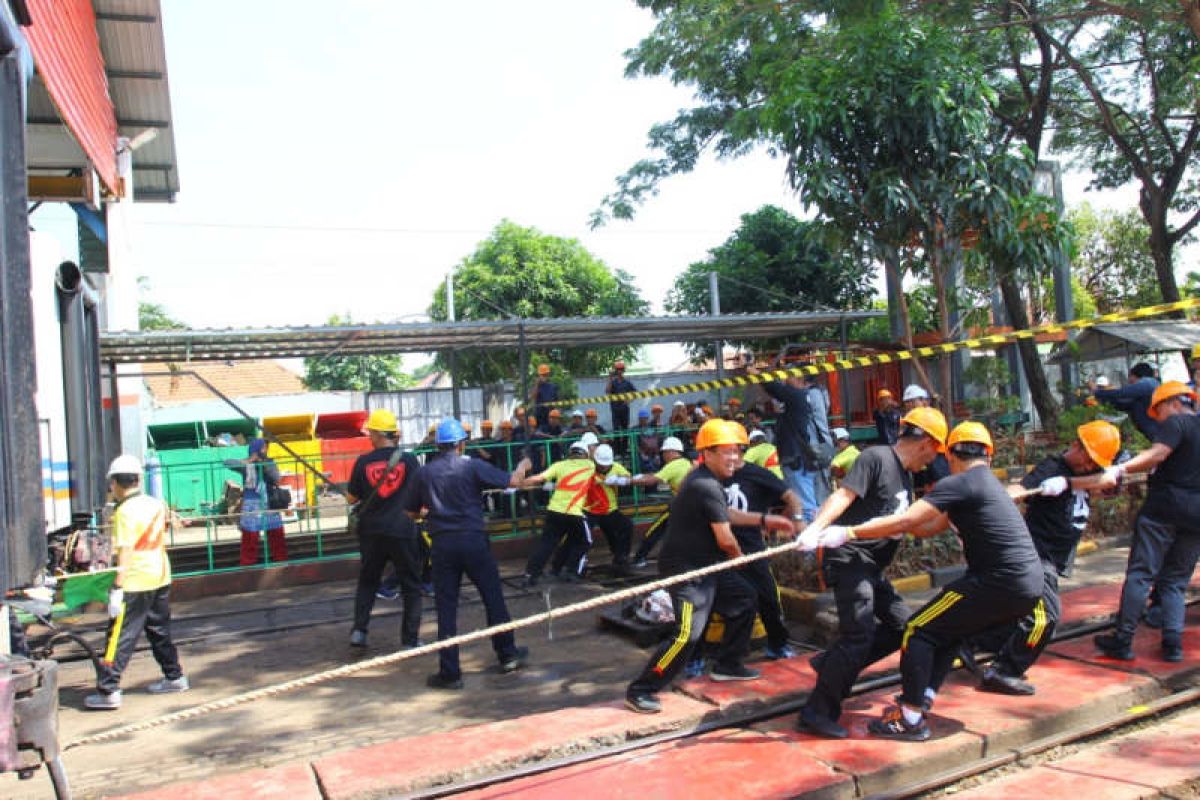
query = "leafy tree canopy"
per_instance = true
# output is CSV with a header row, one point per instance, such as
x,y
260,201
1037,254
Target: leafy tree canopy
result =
x,y
1112,259
522,273
154,316
772,262
377,373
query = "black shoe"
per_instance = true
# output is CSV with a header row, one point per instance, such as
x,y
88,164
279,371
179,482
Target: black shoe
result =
x,y
1172,651
738,672
514,662
892,726
811,723
643,703
439,681
1114,646
993,681
529,581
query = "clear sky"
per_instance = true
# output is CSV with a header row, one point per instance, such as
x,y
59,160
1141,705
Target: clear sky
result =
x,y
343,157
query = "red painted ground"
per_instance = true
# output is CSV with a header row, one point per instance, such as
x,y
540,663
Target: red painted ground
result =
x,y
291,782
1147,649
1135,766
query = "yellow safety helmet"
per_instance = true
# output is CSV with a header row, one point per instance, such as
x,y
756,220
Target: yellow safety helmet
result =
x,y
929,420
717,432
1166,392
383,421
1196,352
1101,440
970,432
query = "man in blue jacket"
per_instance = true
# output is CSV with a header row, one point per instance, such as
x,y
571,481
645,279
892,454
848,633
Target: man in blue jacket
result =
x,y
1133,398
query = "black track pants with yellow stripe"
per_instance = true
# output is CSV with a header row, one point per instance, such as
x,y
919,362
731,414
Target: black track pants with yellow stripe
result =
x,y
963,609
1017,645
732,596
149,611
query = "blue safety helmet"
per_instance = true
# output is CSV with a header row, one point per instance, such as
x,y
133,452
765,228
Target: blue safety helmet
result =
x,y
258,446
450,431
644,413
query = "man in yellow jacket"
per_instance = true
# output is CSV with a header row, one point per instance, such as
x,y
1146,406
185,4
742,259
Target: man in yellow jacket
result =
x,y
564,522
763,453
140,597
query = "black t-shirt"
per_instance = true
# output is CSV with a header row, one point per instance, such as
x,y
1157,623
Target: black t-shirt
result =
x,y
1055,523
755,490
882,486
996,542
938,468
689,543
1174,487
384,514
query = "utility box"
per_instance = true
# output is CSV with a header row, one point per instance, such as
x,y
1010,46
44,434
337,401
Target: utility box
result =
x,y
298,432
342,442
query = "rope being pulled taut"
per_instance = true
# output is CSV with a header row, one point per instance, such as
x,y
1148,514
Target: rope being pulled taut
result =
x,y
403,655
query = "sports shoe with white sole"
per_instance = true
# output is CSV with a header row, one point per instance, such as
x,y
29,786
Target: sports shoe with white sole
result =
x,y
103,702
169,686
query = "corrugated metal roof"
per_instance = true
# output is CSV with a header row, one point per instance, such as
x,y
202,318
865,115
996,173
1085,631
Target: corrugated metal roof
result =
x,y
538,334
1120,339
131,40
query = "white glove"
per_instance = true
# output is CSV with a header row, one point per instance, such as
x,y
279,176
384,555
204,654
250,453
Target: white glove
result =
x,y
1053,487
1114,475
548,486
638,477
616,480
835,536
810,538
116,602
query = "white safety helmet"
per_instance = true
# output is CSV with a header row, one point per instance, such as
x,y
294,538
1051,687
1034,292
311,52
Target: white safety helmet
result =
x,y
672,443
603,455
840,433
1103,382
679,404
577,412
915,392
579,447
656,608
589,440
125,465
758,433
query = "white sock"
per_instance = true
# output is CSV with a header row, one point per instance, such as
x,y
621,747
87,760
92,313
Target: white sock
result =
x,y
911,715
930,694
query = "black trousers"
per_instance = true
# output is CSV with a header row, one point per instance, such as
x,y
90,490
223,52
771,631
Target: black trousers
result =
x,y
455,555
963,609
618,531
871,622
620,415
404,554
149,611
770,610
727,593
652,536
565,530
1018,644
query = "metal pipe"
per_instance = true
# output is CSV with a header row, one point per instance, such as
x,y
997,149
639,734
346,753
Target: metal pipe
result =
x,y
714,296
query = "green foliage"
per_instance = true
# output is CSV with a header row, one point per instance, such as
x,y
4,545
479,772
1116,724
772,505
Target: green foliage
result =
x,y
377,373
772,262
154,316
1112,258
990,378
519,272
1071,418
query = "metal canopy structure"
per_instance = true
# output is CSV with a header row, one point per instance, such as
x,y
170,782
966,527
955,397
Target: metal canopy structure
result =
x,y
423,337
1122,339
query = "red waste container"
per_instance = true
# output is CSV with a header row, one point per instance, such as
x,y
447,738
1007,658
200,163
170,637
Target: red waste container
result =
x,y
342,441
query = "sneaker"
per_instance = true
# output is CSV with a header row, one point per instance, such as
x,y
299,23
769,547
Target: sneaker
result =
x,y
1114,646
167,686
643,703
515,661
439,681
358,638
809,722
739,672
694,668
777,653
412,645
528,581
893,726
384,593
994,681
1172,651
103,702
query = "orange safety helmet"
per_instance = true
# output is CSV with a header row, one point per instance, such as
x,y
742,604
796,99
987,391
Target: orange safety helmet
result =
x,y
618,365
882,393
1101,440
971,432
506,424
1166,392
486,425
591,413
929,420
656,409
717,432
543,369
555,413
733,401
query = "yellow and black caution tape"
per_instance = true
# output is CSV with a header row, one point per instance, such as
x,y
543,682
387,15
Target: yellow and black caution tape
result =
x,y
858,362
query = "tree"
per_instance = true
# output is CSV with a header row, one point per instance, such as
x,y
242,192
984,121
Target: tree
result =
x,y
375,373
772,262
522,273
1112,258
154,316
